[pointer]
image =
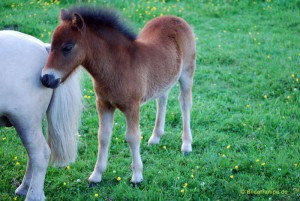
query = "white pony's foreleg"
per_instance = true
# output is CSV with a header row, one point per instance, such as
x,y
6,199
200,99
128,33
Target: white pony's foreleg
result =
x,y
38,157
106,118
133,138
159,128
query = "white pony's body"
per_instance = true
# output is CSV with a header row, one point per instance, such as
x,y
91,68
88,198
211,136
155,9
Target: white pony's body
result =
x,y
24,102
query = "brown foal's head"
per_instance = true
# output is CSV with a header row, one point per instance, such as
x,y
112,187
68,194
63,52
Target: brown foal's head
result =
x,y
67,50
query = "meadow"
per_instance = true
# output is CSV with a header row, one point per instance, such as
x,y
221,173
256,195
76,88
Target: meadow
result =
x,y
245,118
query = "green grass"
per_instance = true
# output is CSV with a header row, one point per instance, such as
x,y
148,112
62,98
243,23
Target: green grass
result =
x,y
246,109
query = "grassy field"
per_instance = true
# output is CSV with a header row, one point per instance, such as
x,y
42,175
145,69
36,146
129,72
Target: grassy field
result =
x,y
246,108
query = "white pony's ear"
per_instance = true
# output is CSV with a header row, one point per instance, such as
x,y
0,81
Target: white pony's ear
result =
x,y
78,21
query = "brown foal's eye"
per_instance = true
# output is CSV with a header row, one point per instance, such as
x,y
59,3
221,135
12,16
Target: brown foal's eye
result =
x,y
66,49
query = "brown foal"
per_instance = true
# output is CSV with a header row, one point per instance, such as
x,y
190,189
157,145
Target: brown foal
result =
x,y
127,71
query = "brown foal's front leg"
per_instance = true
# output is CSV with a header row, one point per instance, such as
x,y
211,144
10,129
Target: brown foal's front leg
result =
x,y
106,118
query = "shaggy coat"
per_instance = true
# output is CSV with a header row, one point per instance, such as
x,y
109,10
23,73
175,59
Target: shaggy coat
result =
x,y
127,71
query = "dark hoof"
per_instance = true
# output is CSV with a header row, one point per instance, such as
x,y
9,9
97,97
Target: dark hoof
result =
x,y
93,184
136,184
186,153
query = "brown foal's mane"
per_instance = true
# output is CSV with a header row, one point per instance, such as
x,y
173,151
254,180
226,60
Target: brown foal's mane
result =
x,y
94,18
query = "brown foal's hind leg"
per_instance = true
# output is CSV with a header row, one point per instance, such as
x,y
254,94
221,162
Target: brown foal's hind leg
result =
x,y
159,129
106,116
185,98
133,138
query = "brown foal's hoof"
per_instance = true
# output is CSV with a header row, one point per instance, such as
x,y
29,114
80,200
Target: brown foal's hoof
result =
x,y
93,184
186,153
136,184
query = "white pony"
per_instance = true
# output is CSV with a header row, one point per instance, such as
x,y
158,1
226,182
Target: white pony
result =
x,y
24,102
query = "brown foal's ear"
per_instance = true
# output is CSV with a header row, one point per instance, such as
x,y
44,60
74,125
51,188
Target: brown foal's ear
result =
x,y
63,14
78,21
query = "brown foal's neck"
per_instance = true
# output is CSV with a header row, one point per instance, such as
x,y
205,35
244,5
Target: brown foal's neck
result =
x,y
107,53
